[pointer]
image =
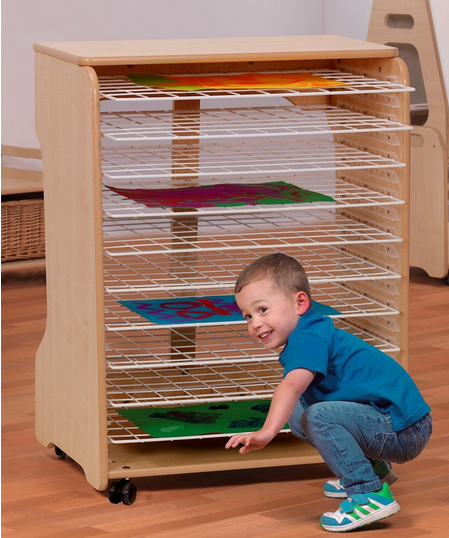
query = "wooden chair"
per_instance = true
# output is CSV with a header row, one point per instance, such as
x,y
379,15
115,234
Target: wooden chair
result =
x,y
408,23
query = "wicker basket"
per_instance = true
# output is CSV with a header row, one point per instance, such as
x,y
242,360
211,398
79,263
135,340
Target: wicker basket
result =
x,y
23,230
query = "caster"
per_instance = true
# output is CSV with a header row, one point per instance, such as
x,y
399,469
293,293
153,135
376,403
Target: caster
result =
x,y
123,491
129,493
446,279
60,453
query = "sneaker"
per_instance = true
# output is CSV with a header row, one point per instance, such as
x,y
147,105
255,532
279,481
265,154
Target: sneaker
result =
x,y
336,490
360,510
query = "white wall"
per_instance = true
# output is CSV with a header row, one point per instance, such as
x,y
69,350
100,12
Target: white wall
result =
x,y
349,18
27,21
440,16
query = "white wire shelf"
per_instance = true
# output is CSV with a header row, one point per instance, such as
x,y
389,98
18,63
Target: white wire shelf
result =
x,y
345,194
238,232
223,123
120,88
348,303
233,159
195,384
218,270
207,346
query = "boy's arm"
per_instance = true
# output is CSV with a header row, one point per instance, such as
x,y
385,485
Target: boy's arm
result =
x,y
284,401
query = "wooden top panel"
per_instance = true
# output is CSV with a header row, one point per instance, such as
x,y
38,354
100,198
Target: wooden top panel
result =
x,y
170,51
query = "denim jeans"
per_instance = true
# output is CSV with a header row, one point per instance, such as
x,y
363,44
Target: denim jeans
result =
x,y
350,436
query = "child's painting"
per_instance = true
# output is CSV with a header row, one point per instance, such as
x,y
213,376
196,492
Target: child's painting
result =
x,y
222,195
264,81
212,308
229,417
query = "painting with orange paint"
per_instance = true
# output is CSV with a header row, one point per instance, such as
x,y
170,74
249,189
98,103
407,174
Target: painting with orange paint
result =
x,y
236,81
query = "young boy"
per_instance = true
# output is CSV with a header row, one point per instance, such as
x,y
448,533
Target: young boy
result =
x,y
357,406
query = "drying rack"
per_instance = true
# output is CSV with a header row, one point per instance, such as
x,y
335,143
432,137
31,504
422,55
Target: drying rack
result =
x,y
349,142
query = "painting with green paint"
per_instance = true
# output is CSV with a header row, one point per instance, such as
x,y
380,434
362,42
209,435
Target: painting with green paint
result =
x,y
202,419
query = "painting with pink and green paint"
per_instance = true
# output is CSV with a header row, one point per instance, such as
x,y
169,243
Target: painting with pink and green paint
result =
x,y
223,195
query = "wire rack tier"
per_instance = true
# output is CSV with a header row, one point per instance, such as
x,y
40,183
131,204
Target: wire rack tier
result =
x,y
121,88
238,232
240,123
209,346
345,194
219,270
163,347
348,303
232,159
192,385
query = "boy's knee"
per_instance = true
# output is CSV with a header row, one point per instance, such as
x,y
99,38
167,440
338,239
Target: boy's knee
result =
x,y
321,413
312,415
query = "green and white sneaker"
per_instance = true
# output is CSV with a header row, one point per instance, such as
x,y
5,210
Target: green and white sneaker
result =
x,y
360,510
336,490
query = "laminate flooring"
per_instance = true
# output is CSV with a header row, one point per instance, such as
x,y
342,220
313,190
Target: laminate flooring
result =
x,y
43,496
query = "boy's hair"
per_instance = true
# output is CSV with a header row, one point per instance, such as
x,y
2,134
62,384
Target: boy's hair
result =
x,y
285,273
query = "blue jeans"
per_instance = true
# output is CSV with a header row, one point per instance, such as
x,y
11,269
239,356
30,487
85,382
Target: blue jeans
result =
x,y
350,436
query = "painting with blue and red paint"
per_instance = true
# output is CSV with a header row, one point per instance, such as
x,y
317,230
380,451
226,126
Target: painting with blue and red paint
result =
x,y
212,308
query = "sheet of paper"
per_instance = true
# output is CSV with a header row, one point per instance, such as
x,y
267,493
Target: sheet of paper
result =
x,y
212,308
229,417
298,80
223,194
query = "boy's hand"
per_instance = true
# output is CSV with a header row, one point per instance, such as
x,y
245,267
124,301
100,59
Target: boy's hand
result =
x,y
250,441
285,398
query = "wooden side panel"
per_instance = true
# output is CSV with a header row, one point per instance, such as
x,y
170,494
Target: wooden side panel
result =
x,y
396,183
70,364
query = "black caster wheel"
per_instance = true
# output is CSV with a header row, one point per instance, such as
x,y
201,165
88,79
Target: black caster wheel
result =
x,y
123,491
129,493
60,453
446,279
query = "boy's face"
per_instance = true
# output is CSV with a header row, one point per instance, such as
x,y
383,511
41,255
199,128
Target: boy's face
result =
x,y
271,315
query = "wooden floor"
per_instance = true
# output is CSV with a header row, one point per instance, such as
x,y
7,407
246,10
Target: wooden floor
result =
x,y
46,496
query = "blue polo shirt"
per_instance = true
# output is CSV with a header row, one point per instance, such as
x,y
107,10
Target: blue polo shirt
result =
x,y
349,369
